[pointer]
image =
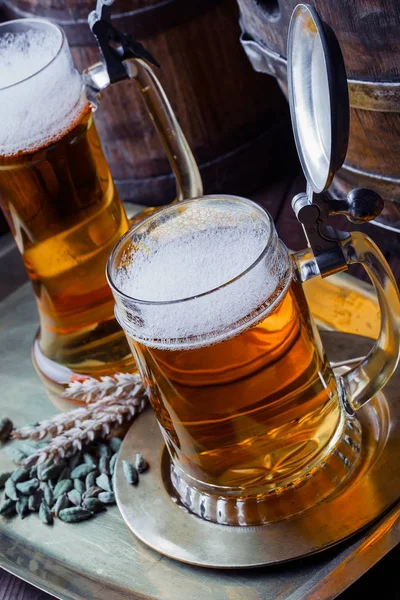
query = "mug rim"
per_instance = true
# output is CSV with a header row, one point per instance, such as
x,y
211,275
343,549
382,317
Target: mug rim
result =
x,y
262,211
48,24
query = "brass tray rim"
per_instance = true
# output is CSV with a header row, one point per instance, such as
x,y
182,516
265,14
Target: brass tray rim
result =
x,y
382,532
142,523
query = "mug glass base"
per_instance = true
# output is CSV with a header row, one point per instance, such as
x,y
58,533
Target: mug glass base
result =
x,y
311,487
103,355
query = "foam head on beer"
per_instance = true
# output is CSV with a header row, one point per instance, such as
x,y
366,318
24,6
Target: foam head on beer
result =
x,y
208,263
40,90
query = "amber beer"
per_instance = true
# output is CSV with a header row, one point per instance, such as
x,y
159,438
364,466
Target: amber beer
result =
x,y
251,411
223,338
57,193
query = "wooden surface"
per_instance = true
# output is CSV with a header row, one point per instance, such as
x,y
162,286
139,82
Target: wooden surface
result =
x,y
368,35
12,588
383,575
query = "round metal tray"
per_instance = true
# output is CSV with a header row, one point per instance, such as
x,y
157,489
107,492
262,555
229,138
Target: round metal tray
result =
x,y
153,513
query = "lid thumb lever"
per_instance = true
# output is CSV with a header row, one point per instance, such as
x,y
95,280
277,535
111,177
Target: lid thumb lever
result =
x,y
313,212
115,46
360,206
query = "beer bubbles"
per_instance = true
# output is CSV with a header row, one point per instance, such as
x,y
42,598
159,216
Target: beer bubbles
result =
x,y
200,255
41,92
23,54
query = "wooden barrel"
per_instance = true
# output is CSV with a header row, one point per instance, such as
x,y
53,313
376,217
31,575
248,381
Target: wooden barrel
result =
x,y
236,121
368,33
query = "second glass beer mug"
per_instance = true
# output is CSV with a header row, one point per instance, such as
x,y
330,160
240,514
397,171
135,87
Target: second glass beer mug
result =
x,y
256,423
59,198
58,195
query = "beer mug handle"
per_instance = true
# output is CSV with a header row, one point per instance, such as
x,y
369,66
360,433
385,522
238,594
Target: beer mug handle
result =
x,y
183,164
368,377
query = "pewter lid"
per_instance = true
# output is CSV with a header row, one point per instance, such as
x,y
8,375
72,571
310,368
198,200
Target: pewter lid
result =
x,y
318,97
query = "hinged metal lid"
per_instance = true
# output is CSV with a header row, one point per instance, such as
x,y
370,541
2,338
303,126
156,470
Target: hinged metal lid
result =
x,y
318,96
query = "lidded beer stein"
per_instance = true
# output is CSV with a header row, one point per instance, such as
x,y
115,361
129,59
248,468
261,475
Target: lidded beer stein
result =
x,y
57,192
257,424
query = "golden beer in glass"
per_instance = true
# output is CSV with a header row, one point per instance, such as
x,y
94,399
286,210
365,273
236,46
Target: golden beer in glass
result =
x,y
57,192
58,196
273,376
248,404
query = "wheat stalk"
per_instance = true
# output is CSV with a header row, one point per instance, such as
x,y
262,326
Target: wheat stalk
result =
x,y
122,385
72,430
73,440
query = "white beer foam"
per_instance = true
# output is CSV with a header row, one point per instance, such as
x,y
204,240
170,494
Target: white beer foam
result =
x,y
40,98
200,249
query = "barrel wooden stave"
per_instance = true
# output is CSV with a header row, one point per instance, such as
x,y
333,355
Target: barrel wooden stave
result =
x,y
72,10
368,35
374,143
367,30
236,121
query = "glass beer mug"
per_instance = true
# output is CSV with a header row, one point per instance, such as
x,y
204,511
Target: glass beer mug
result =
x,y
257,424
213,308
58,196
